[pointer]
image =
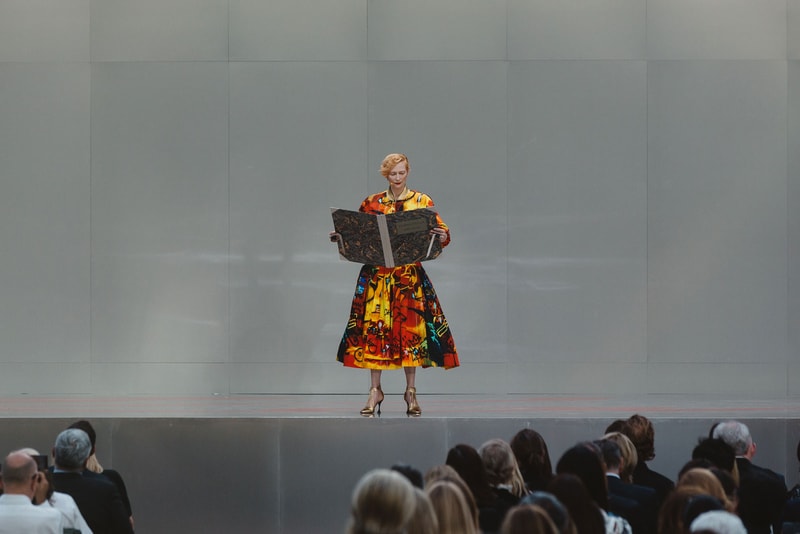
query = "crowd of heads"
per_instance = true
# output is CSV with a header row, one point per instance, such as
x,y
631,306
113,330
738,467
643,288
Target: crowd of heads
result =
x,y
74,494
597,486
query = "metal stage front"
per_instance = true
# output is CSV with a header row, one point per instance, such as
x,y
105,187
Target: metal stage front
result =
x,y
288,463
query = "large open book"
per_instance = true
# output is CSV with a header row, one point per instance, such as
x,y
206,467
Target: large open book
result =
x,y
389,240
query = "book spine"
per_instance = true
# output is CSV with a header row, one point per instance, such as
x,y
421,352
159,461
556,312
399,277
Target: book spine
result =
x,y
386,243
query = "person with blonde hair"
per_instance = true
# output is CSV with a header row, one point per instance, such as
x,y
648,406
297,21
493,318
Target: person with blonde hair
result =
x,y
383,502
705,481
629,456
423,521
396,321
528,519
452,509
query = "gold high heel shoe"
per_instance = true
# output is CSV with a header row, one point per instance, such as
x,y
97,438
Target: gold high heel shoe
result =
x,y
410,397
370,409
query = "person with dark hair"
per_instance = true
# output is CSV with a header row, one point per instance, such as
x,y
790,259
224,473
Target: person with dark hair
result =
x,y
555,509
527,519
571,492
791,512
94,469
762,492
635,503
466,461
98,499
413,474
640,431
533,459
719,453
585,461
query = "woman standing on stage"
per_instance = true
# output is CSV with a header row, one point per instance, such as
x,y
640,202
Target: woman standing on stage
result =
x,y
395,319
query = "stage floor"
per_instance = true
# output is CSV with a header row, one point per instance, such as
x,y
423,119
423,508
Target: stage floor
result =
x,y
435,406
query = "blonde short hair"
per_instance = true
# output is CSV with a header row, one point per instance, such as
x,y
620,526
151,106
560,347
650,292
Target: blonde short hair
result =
x,y
383,502
629,455
391,161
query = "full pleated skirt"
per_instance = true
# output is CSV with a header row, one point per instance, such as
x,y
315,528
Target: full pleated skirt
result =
x,y
396,321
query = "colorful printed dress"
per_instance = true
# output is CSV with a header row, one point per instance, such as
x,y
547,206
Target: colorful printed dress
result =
x,y
396,320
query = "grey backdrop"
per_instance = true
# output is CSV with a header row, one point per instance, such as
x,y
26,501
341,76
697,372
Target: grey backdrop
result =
x,y
621,177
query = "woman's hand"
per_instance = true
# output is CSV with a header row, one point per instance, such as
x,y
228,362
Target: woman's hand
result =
x,y
441,232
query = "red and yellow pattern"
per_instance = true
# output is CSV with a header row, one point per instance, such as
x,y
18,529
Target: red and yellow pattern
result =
x,y
395,319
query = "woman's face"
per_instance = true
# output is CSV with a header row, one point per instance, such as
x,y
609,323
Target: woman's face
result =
x,y
397,176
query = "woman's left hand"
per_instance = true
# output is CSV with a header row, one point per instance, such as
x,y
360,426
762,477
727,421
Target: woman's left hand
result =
x,y
440,232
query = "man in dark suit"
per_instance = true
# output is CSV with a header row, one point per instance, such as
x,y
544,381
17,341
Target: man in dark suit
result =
x,y
98,500
635,503
640,431
762,493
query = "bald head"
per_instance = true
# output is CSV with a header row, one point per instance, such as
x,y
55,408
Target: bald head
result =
x,y
19,469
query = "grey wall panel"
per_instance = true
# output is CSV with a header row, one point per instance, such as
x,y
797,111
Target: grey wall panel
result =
x,y
307,452
159,30
597,29
793,214
55,378
753,379
577,212
552,378
44,213
159,212
186,459
451,122
297,149
44,30
793,29
160,378
716,29
292,30
717,212
446,29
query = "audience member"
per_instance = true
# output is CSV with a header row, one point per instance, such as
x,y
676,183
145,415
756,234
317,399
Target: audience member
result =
x,y
18,515
718,453
411,473
641,432
502,470
94,469
717,522
762,493
698,505
467,462
533,459
47,497
423,521
452,509
383,502
571,491
791,512
635,503
98,499
555,509
528,519
446,473
585,461
671,516
708,483
629,456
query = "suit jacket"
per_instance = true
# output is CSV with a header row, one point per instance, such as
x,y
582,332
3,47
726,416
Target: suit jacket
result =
x,y
18,514
637,504
762,497
98,500
644,476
